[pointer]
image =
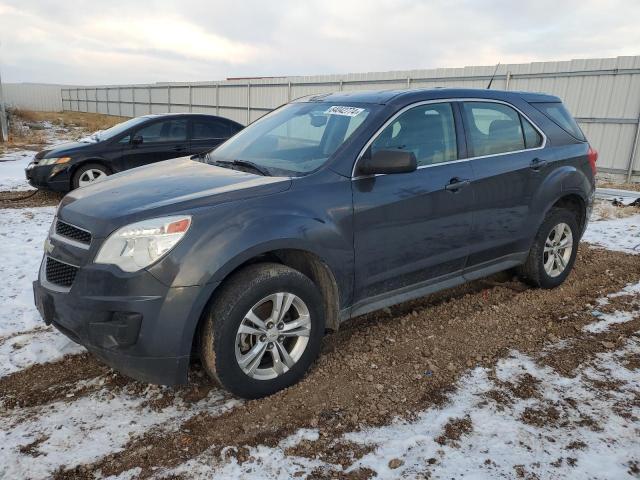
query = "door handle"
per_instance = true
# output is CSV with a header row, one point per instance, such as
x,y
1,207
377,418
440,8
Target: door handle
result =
x,y
178,148
536,164
456,184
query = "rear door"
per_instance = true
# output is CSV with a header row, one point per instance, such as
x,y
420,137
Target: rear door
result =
x,y
160,140
413,228
509,164
208,133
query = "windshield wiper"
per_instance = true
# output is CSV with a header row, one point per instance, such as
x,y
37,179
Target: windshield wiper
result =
x,y
245,163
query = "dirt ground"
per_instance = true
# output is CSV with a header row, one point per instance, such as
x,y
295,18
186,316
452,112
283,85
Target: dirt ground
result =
x,y
394,363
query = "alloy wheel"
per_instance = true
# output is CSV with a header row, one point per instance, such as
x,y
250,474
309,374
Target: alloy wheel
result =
x,y
557,250
272,336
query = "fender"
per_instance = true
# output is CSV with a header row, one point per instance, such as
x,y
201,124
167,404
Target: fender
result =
x,y
231,234
562,181
214,272
73,167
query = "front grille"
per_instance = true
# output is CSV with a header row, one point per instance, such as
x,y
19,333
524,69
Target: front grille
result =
x,y
60,273
74,233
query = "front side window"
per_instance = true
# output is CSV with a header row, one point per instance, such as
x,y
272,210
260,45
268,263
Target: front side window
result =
x,y
494,128
427,130
295,139
164,131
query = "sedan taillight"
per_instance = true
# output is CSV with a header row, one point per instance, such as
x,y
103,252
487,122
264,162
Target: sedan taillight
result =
x,y
592,155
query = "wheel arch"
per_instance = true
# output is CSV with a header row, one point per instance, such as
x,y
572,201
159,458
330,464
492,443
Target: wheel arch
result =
x,y
565,187
301,259
97,160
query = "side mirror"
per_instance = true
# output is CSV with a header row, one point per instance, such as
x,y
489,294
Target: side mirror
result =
x,y
137,140
388,161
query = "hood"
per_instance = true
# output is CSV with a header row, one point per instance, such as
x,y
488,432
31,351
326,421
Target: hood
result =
x,y
164,188
62,150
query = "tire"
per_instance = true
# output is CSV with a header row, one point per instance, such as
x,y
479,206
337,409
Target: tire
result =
x,y
86,170
223,347
534,272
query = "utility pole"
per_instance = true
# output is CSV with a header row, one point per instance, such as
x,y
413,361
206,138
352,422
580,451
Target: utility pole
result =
x,y
4,129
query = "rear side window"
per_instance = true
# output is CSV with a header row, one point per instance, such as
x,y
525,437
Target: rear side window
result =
x,y
557,112
427,130
495,128
208,128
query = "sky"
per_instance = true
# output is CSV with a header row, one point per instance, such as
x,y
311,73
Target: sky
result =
x,y
119,42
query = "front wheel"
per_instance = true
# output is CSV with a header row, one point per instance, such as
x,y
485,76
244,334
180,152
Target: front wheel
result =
x,y
88,174
553,252
263,330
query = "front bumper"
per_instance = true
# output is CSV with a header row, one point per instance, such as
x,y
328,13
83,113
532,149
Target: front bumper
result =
x,y
49,177
133,323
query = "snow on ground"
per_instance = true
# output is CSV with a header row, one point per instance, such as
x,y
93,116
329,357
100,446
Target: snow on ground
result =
x,y
265,462
621,234
74,432
12,165
587,435
24,339
500,444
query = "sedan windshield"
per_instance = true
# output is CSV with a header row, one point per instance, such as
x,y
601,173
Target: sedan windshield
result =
x,y
119,128
293,140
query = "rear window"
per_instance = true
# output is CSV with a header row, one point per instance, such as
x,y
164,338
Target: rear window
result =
x,y
557,112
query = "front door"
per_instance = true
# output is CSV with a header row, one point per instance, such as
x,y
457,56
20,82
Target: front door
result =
x,y
413,228
158,141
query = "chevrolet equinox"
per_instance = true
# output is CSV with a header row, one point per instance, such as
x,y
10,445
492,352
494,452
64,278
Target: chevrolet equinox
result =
x,y
329,207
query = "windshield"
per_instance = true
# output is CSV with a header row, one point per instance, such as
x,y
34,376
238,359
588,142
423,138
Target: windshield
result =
x,y
293,140
118,129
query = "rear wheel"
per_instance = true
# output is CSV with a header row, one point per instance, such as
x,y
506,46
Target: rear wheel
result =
x,y
553,252
263,331
88,174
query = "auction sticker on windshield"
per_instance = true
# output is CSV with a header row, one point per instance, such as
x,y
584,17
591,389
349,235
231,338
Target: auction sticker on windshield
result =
x,y
346,111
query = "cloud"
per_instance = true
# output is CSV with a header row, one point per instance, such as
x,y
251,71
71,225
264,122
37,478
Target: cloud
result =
x,y
83,42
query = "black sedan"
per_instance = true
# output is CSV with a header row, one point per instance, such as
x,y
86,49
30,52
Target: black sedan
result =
x,y
130,144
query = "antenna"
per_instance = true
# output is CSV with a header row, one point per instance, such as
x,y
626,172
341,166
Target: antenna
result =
x,y
493,76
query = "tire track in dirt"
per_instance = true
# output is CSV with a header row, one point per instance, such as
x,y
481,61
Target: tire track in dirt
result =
x,y
29,198
392,364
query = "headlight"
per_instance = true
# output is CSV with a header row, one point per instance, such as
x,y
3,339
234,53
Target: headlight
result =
x,y
138,245
51,161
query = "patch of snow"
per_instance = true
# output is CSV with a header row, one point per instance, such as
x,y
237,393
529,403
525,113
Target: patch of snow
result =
x,y
24,339
263,463
37,346
605,320
127,475
309,434
12,165
71,433
501,443
619,234
22,234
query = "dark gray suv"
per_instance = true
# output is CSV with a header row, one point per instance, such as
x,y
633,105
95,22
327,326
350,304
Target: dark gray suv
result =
x,y
327,208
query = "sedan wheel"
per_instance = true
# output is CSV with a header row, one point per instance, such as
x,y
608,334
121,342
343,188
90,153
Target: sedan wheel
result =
x,y
91,176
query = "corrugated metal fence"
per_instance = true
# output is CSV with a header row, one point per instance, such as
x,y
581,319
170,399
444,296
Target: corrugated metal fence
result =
x,y
603,94
33,96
